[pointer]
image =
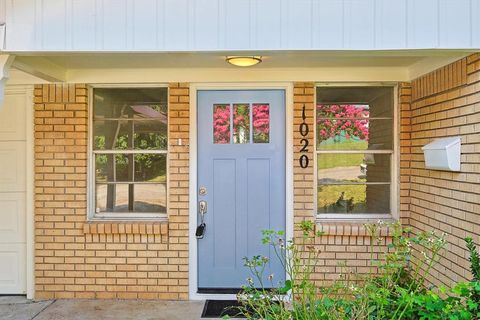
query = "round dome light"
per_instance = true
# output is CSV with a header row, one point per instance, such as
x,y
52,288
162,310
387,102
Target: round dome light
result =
x,y
243,61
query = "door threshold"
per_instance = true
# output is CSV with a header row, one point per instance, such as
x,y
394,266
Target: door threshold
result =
x,y
218,290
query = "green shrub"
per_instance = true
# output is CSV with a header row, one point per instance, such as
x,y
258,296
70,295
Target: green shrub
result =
x,y
393,289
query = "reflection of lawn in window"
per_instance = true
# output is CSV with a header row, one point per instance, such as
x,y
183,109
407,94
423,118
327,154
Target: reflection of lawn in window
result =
x,y
330,198
159,178
331,160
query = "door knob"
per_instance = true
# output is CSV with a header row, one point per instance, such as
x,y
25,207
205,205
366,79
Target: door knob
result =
x,y
202,206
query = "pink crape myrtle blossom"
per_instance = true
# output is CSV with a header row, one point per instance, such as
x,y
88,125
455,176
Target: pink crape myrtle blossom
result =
x,y
221,124
241,120
261,122
350,121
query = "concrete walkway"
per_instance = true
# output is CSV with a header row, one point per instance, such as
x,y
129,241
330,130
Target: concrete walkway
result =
x,y
19,308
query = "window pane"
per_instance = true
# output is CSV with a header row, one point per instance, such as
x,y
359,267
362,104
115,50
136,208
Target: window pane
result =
x,y
241,123
379,99
353,167
354,134
354,198
112,135
151,167
150,135
113,167
339,111
130,103
261,123
111,198
221,124
116,135
148,198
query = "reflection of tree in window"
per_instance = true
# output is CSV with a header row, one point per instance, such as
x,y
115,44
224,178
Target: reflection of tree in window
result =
x,y
354,131
127,122
221,124
261,123
241,123
342,123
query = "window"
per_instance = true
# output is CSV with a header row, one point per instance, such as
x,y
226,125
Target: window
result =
x,y
129,152
234,127
355,151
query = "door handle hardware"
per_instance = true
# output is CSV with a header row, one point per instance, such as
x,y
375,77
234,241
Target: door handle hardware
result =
x,y
202,206
200,231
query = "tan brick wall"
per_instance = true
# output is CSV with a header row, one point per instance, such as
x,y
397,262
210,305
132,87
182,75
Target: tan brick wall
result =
x,y
404,123
446,103
76,259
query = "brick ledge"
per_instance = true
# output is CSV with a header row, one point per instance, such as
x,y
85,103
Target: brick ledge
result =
x,y
125,227
345,228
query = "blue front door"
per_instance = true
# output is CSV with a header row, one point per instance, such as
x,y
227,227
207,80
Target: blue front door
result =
x,y
241,177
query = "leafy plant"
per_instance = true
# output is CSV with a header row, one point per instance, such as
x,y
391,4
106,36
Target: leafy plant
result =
x,y
474,258
392,289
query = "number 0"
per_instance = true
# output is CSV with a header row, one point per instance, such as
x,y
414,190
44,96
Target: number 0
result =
x,y
304,129
304,161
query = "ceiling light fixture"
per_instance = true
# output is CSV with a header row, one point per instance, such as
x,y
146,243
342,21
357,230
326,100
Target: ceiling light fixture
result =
x,y
244,61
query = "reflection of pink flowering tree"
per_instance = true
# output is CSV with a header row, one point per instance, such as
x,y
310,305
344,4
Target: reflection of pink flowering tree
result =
x,y
241,123
342,120
221,124
261,122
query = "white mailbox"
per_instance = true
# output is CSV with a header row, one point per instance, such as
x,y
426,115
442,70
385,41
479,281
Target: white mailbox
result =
x,y
443,154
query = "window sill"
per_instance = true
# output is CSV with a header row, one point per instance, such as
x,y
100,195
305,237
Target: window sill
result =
x,y
349,227
126,227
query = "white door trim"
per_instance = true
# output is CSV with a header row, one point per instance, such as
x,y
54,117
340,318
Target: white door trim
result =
x,y
30,194
194,87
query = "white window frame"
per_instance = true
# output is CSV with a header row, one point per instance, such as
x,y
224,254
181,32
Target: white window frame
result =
x,y
395,161
123,216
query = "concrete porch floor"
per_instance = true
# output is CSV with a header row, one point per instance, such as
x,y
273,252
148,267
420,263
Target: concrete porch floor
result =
x,y
19,308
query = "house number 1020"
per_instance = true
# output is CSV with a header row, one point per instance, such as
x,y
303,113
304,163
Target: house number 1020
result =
x,y
304,130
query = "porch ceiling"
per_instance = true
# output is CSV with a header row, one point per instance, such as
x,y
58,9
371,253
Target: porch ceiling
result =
x,y
198,67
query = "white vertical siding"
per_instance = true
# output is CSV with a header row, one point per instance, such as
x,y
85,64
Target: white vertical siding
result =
x,y
266,29
176,21
391,23
3,8
54,18
359,33
299,24
236,22
454,17
423,26
145,22
474,18
205,25
329,13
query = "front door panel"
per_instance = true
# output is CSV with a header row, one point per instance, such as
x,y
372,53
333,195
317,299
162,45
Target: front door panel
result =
x,y
241,176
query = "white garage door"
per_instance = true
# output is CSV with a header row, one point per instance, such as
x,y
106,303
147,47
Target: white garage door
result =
x,y
13,192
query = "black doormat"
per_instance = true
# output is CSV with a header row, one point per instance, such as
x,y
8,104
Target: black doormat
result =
x,y
221,308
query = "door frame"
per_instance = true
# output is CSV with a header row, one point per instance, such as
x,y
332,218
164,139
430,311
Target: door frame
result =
x,y
193,199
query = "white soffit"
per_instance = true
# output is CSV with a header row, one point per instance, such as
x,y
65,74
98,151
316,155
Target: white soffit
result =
x,y
391,66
